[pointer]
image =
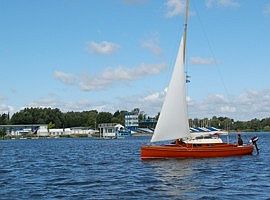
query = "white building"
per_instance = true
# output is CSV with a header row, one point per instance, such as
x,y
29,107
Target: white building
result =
x,y
113,130
107,130
71,131
82,131
132,120
25,129
43,131
59,131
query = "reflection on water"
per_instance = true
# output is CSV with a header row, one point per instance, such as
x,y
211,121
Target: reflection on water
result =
x,y
173,175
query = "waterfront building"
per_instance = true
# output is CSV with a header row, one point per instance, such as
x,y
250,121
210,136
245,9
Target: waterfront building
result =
x,y
113,130
59,131
26,129
107,130
82,131
71,131
132,119
43,131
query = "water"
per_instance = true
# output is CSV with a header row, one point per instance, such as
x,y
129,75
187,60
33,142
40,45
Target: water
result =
x,y
112,169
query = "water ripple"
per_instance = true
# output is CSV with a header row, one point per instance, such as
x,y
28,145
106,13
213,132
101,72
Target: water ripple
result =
x,y
112,169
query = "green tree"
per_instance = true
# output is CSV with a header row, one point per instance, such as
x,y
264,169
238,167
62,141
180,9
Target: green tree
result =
x,y
104,117
119,117
37,116
92,119
215,122
4,119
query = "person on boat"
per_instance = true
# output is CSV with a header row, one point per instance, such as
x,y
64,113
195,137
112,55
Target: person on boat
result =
x,y
179,142
240,141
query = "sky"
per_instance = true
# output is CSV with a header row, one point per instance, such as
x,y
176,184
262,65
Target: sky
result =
x,y
119,55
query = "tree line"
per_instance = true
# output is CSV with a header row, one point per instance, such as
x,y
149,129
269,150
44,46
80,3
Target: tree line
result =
x,y
55,118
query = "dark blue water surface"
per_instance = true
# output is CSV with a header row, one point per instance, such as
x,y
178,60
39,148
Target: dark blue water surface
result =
x,y
112,169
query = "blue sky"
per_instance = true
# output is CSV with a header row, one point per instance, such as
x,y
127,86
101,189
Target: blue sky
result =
x,y
109,55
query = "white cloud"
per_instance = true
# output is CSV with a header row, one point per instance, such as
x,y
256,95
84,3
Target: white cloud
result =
x,y
115,75
216,99
6,108
174,7
64,77
149,103
245,106
109,76
227,109
202,61
152,45
156,97
266,10
222,3
54,101
45,102
103,47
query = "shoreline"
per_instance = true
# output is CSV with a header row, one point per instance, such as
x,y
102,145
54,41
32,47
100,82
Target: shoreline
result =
x,y
95,137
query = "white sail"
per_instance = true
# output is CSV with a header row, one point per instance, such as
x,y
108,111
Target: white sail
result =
x,y
173,119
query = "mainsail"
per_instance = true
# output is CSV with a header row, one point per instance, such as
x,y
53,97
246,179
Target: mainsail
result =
x,y
173,119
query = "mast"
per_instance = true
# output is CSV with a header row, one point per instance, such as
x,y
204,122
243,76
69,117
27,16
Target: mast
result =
x,y
185,30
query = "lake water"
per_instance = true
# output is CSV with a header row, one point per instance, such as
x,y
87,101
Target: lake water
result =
x,y
112,169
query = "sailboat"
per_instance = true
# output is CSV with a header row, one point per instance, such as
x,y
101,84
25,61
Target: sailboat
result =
x,y
173,122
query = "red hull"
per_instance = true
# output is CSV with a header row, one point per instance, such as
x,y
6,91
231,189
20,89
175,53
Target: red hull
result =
x,y
193,151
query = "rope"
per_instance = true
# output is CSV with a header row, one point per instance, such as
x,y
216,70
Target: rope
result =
x,y
212,52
